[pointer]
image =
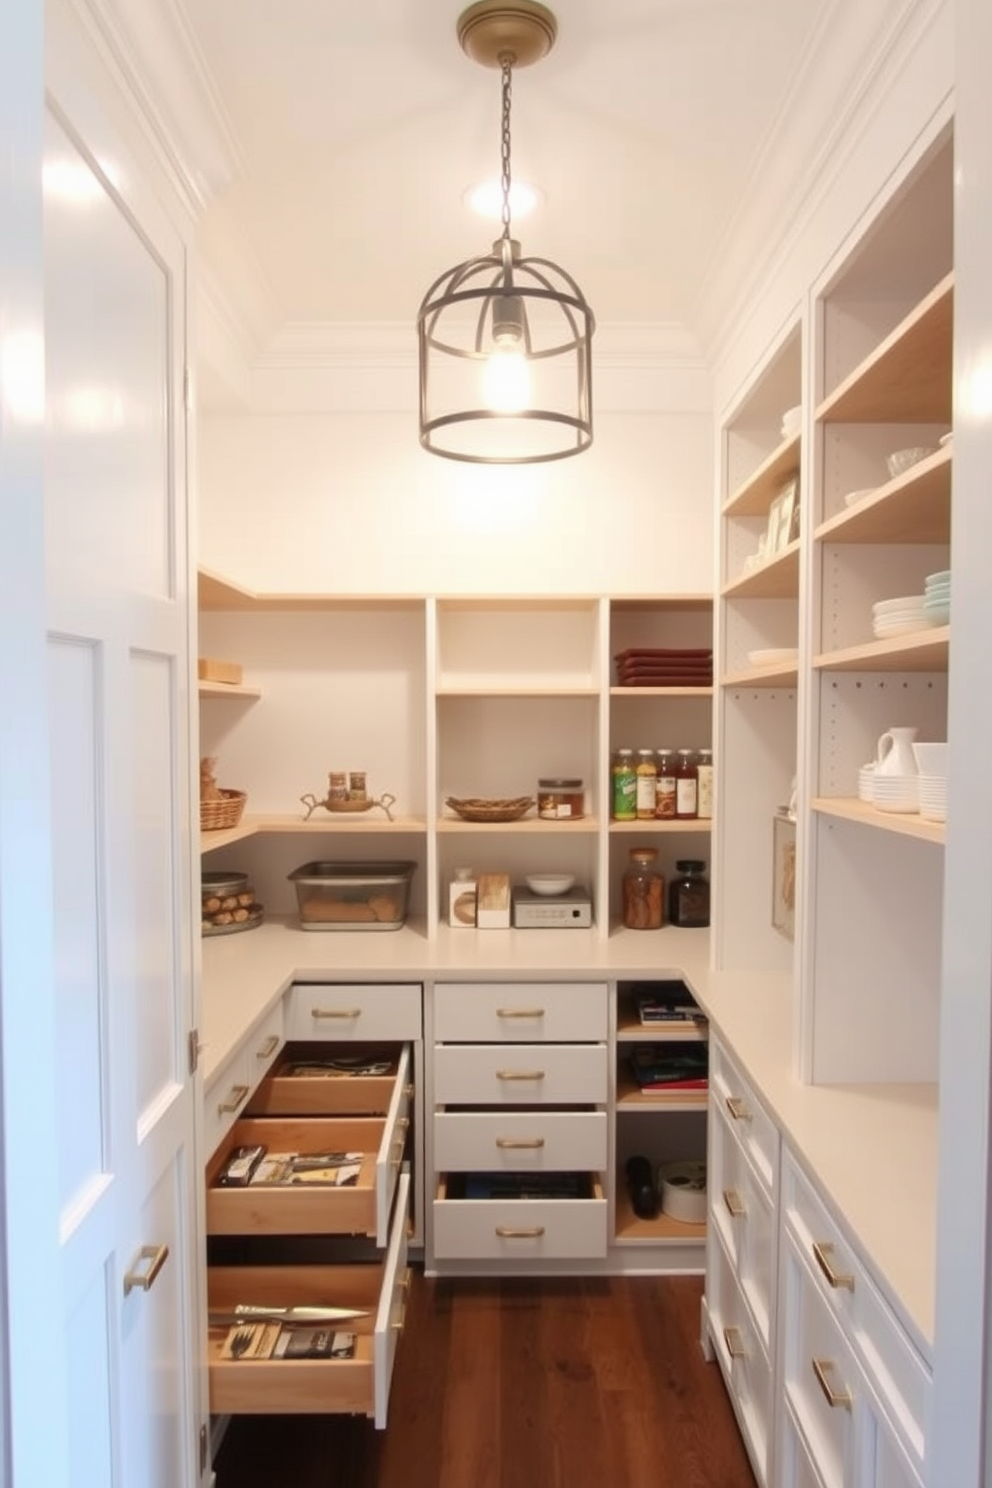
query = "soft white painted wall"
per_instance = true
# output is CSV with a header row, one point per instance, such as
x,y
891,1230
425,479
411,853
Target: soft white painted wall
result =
x,y
348,502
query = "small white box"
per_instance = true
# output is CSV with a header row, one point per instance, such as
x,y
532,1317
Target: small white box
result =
x,y
462,894
493,901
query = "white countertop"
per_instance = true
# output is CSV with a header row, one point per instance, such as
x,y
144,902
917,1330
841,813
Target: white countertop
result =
x,y
872,1149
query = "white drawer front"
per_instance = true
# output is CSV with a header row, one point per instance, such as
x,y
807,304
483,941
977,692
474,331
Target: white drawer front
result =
x,y
819,1375
224,1099
520,1141
725,1183
530,1231
264,1045
795,1468
524,1075
752,1127
742,1358
521,1012
894,1368
340,1012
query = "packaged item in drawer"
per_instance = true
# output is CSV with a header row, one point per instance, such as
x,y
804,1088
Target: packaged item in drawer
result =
x,y
314,1343
336,1068
240,1166
334,1169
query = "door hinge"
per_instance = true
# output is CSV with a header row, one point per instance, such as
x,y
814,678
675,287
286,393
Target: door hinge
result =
x,y
195,1049
204,1450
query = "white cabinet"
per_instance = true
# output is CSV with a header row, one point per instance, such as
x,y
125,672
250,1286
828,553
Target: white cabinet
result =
x,y
230,1088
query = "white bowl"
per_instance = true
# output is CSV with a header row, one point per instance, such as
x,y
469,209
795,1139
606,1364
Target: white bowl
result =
x,y
935,579
910,602
931,759
549,883
902,460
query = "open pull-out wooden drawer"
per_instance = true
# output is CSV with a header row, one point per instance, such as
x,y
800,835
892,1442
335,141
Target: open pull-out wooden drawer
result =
x,y
360,1208
519,1229
331,1079
359,1385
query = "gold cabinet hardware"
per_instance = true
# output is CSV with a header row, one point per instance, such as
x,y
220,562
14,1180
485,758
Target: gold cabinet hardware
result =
x,y
506,1232
519,1144
734,1203
335,1012
403,1290
836,1399
408,1091
143,1276
520,1074
238,1096
734,1340
520,1012
823,1250
738,1108
269,1047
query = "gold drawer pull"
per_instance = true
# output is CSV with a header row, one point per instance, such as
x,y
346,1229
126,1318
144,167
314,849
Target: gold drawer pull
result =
x,y
335,1012
734,1203
156,1256
520,1012
734,1340
408,1091
506,1233
520,1074
738,1108
237,1097
403,1289
519,1144
823,1250
836,1399
269,1047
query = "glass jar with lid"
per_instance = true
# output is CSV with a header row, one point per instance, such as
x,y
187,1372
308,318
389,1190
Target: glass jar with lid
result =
x,y
643,891
689,895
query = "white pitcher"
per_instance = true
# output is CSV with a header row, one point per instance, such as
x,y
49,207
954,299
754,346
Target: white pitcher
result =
x,y
894,752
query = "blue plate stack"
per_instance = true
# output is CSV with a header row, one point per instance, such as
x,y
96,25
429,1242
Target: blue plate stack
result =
x,y
937,598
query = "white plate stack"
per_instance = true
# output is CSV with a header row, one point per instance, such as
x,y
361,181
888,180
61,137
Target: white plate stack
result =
x,y
895,617
937,598
866,780
932,787
895,792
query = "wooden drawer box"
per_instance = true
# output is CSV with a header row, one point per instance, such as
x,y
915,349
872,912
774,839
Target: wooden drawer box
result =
x,y
324,1386
276,1209
350,1012
756,1132
526,1074
521,1012
522,1230
520,1141
285,1093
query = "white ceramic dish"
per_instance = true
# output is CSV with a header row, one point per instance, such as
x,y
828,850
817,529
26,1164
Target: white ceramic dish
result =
x,y
908,603
900,628
853,496
547,884
902,460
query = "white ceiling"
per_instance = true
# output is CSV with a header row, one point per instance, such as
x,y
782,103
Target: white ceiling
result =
x,y
351,130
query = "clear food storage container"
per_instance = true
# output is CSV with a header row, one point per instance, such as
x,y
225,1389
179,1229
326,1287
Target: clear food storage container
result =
x,y
353,896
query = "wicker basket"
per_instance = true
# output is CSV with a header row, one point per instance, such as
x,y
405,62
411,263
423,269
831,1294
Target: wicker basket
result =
x,y
215,815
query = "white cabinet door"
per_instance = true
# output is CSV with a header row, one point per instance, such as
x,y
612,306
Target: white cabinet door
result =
x,y
118,671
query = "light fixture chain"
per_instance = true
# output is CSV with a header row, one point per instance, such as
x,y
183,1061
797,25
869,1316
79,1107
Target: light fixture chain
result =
x,y
506,62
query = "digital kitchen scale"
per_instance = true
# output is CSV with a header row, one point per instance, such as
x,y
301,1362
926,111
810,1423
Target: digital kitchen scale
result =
x,y
569,911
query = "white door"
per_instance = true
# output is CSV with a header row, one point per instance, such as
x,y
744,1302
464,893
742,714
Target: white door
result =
x,y
119,682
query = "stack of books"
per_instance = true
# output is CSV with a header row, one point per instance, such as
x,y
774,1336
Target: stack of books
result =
x,y
670,1067
667,1002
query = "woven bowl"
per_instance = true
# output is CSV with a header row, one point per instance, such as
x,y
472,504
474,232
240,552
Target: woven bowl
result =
x,y
490,809
215,815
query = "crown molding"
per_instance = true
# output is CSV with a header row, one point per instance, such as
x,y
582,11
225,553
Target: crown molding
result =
x,y
828,108
151,46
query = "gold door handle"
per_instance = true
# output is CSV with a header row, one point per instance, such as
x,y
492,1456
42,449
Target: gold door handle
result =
x,y
823,1250
519,1144
403,1288
505,1232
237,1097
269,1047
520,1074
734,1340
335,1012
738,1108
836,1399
734,1203
520,1012
144,1276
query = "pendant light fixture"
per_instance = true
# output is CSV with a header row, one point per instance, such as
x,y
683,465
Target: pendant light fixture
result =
x,y
505,340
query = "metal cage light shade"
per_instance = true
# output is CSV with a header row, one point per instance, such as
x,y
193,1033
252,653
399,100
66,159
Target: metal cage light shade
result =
x,y
505,341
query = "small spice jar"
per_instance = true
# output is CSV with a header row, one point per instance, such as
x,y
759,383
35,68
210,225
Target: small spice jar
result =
x,y
689,895
357,790
337,786
643,891
560,800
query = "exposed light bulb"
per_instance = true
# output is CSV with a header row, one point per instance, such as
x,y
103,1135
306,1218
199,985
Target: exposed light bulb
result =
x,y
507,380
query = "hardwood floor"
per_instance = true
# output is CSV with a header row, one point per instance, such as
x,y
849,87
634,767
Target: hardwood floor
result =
x,y
551,1383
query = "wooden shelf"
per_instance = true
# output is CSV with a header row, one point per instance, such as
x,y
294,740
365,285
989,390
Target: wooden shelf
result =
x,y
663,824
921,651
905,824
217,593
360,824
582,826
770,676
629,1230
689,692
509,689
915,508
630,1029
908,377
776,579
228,690
754,497
631,1098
